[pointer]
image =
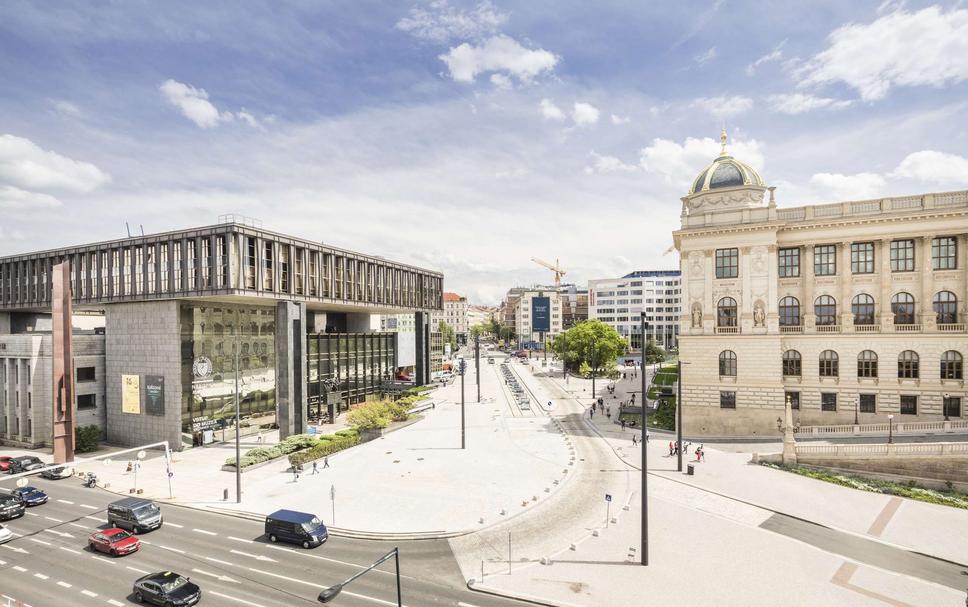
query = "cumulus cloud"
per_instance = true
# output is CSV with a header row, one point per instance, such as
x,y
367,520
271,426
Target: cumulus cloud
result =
x,y
798,103
609,164
620,119
679,163
15,198
551,111
441,22
902,48
498,54
929,165
849,187
501,81
193,103
775,55
723,106
24,164
584,114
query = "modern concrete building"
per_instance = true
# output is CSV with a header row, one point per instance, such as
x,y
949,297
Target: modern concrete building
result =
x,y
574,305
525,311
850,311
184,310
619,302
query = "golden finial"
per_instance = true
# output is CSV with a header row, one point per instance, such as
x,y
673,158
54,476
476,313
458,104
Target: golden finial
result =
x,y
722,141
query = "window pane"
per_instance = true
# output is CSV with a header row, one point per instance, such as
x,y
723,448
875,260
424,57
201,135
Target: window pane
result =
x,y
902,255
944,253
868,403
828,401
789,263
794,399
909,404
727,263
825,260
727,400
862,257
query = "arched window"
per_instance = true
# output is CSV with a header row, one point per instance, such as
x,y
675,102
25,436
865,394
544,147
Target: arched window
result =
x,y
867,364
825,307
727,363
946,307
862,307
829,364
789,312
951,365
902,306
726,312
908,365
791,364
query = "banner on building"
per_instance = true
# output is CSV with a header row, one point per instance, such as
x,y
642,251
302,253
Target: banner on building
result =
x,y
155,394
131,394
541,314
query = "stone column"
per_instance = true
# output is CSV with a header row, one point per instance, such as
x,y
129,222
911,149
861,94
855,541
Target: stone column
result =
x,y
927,315
745,310
887,278
290,368
772,303
845,278
806,271
709,306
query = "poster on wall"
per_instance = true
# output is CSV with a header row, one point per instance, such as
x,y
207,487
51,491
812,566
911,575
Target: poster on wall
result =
x,y
131,394
155,394
541,314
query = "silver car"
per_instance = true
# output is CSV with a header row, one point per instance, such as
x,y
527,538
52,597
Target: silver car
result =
x,y
5,534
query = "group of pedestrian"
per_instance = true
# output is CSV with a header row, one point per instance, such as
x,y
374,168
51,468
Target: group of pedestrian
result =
x,y
298,468
674,448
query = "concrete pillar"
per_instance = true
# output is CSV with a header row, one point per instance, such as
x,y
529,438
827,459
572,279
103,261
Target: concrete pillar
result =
x,y
290,368
422,354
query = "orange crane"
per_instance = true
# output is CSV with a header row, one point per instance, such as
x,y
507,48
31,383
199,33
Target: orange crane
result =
x,y
554,268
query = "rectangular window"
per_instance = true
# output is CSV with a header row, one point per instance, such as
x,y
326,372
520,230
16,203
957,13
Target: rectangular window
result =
x,y
862,258
909,404
250,263
86,401
902,255
794,399
868,403
944,253
828,401
727,263
951,406
85,374
789,263
825,260
727,400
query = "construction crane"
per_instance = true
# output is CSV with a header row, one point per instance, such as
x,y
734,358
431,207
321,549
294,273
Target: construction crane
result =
x,y
554,268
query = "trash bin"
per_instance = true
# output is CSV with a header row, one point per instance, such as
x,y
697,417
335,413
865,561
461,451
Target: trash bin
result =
x,y
690,469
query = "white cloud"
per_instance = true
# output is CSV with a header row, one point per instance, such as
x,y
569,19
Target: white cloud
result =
x,y
609,164
775,55
620,119
929,165
15,198
498,54
678,164
798,103
501,81
551,111
723,106
902,48
849,187
441,22
706,57
23,164
584,114
194,105
66,108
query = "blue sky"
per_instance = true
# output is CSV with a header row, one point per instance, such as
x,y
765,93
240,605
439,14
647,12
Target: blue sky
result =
x,y
464,136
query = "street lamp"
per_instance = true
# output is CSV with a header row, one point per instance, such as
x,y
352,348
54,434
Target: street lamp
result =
x,y
890,428
645,449
328,594
944,405
856,409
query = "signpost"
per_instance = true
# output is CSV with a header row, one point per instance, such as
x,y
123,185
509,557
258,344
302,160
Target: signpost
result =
x,y
608,506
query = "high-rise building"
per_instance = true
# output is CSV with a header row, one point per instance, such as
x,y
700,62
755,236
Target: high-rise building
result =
x,y
619,302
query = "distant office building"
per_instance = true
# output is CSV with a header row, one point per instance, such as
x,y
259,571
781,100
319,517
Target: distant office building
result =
x,y
619,302
574,305
534,309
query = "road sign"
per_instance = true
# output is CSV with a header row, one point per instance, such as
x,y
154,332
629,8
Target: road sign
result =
x,y
608,497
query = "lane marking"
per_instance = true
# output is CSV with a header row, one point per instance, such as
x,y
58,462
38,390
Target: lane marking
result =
x,y
66,549
115,603
232,598
79,526
463,604
19,568
64,584
172,549
258,557
33,539
359,596
196,530
175,525
2,563
880,523
60,533
87,506
103,560
41,576
15,548
56,520
220,577
89,593
239,539
208,558
66,502
135,569
338,562
32,514
93,518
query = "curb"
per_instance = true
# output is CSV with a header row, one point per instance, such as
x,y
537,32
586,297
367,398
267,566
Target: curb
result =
x,y
524,598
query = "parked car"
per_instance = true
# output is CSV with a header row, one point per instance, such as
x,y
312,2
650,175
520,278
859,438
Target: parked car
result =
x,y
11,506
135,514
31,496
5,463
56,474
113,541
5,534
25,463
166,588
296,528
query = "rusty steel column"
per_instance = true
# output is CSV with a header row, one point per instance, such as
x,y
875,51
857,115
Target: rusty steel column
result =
x,y
62,357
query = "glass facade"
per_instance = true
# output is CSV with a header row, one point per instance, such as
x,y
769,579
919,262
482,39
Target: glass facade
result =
x,y
209,334
352,365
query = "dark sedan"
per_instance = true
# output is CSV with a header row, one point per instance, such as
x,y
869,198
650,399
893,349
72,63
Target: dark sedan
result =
x,y
58,473
25,463
166,588
11,506
31,496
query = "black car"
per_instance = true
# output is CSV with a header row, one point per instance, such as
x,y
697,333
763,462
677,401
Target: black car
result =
x,y
56,474
11,506
25,463
166,588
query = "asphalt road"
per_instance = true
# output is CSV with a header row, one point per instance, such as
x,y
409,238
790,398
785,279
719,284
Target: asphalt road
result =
x,y
48,562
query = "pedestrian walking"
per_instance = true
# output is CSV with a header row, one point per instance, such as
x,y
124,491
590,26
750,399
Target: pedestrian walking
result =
x,y
608,413
295,474
315,467
623,424
635,439
632,400
326,462
591,412
258,438
670,449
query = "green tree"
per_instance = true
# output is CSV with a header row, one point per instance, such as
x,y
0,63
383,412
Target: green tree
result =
x,y
477,331
507,334
653,352
590,342
447,335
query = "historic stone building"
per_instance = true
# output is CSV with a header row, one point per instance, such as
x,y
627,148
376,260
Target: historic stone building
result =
x,y
851,311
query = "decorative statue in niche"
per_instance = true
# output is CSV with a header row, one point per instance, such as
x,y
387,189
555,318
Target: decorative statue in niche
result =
x,y
758,315
696,315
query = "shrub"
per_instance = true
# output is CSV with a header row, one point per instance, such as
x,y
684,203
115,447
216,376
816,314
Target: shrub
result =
x,y
86,438
341,440
368,416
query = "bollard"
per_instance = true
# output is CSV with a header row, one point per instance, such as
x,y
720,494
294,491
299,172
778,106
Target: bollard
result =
x,y
225,495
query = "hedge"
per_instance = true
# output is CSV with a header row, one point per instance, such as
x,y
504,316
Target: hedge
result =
x,y
86,438
343,439
379,414
284,447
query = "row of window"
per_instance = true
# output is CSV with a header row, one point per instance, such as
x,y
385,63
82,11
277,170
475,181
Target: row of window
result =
x,y
944,256
864,403
908,364
945,305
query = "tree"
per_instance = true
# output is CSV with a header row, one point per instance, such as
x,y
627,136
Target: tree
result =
x,y
447,335
507,334
653,352
590,342
477,331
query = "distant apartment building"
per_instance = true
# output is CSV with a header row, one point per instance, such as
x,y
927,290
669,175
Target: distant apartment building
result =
x,y
574,305
454,314
619,302
528,311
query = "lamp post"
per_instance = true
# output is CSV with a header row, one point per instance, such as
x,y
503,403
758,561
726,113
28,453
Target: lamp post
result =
x,y
890,429
679,364
332,592
944,405
645,450
477,363
856,410
238,446
594,358
462,366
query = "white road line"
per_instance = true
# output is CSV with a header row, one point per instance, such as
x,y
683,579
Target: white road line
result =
x,y
203,531
56,520
87,506
32,514
172,549
104,560
115,603
208,558
19,568
145,542
175,525
338,562
41,576
80,526
15,548
65,548
239,539
66,502
33,539
359,596
135,569
64,584
254,556
2,563
232,598
89,593
94,518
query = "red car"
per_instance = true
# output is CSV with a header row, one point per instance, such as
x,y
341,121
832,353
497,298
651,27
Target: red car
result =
x,y
4,463
114,541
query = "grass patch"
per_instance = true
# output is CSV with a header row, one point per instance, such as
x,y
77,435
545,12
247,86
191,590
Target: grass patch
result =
x,y
910,489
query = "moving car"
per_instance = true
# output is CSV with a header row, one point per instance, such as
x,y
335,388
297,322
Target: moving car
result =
x,y
113,541
134,514
11,506
296,528
31,496
25,463
56,474
5,534
166,588
5,463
